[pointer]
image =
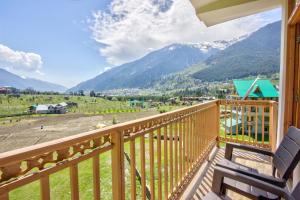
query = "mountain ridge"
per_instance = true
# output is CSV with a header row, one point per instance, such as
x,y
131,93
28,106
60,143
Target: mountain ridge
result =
x,y
144,72
259,54
10,79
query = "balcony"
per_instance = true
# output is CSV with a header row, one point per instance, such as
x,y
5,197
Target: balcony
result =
x,y
159,157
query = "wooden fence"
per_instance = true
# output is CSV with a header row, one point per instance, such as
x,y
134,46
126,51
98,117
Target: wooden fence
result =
x,y
250,122
175,144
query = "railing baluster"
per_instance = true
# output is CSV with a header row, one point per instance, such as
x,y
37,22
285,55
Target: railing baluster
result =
x,y
191,141
184,145
249,123
159,163
200,132
263,124
237,123
193,138
132,169
151,150
197,136
171,166
96,177
243,123
188,144
225,120
45,188
256,124
231,116
180,148
117,156
165,163
176,152
4,196
143,169
74,182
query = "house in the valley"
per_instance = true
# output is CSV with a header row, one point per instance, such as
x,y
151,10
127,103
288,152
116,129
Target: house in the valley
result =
x,y
48,108
42,109
63,104
6,89
258,89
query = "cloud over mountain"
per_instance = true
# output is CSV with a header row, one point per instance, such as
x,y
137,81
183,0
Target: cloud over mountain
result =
x,y
20,60
129,29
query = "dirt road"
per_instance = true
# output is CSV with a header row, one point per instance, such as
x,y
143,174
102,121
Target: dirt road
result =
x,y
42,129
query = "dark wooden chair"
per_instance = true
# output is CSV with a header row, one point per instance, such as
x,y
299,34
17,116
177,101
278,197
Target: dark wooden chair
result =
x,y
284,161
222,173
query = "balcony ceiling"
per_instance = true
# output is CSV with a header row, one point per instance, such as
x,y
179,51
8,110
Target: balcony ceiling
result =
x,y
213,12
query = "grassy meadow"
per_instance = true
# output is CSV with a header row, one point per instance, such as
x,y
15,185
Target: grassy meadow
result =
x,y
10,106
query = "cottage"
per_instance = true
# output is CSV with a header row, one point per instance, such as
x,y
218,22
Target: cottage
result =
x,y
63,104
42,109
258,89
5,90
60,109
32,108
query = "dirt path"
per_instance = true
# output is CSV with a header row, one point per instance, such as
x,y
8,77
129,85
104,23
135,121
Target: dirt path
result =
x,y
29,131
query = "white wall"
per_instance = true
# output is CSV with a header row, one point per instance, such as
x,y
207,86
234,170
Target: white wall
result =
x,y
280,127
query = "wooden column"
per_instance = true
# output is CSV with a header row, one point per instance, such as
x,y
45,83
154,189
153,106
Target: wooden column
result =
x,y
117,156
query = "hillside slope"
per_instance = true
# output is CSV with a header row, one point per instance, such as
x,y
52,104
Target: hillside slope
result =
x,y
144,72
257,54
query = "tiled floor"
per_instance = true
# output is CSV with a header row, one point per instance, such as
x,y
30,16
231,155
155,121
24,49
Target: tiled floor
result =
x,y
204,180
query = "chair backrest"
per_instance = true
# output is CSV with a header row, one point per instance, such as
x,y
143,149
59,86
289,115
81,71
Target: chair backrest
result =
x,y
287,155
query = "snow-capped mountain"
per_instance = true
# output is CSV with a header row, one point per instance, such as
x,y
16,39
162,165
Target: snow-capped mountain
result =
x,y
144,72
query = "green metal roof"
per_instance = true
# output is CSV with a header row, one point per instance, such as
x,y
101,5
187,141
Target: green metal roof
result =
x,y
263,88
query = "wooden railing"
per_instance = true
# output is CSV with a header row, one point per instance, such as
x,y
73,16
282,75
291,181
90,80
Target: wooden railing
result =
x,y
153,158
250,122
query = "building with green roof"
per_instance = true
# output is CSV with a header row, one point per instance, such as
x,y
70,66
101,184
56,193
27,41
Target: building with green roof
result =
x,y
251,90
258,89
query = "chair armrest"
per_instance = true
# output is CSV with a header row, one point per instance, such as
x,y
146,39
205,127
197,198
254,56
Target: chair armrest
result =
x,y
226,164
231,146
221,173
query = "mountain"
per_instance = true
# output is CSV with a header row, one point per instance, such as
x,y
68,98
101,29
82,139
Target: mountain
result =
x,y
13,80
257,54
144,72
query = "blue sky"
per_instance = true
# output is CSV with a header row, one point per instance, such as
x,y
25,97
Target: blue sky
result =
x,y
69,41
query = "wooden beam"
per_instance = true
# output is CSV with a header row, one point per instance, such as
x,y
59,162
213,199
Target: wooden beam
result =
x,y
289,75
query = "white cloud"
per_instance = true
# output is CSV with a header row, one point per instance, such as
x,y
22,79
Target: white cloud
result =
x,y
129,29
19,60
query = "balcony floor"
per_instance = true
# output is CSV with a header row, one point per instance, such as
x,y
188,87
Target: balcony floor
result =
x,y
201,184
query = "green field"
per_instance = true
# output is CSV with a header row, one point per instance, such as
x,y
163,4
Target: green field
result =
x,y
12,106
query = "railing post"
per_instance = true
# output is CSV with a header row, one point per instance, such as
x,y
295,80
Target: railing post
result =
x,y
117,156
218,110
273,125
